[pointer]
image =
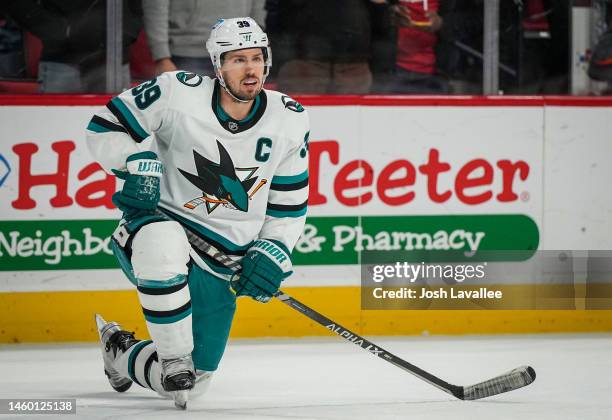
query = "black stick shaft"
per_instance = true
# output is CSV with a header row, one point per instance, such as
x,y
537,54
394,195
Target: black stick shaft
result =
x,y
509,381
356,339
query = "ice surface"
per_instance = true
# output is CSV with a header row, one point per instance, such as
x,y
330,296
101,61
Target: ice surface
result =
x,y
332,379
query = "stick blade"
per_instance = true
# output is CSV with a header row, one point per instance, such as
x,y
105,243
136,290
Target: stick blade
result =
x,y
515,379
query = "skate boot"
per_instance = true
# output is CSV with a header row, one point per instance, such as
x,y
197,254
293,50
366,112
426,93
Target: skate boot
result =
x,y
178,377
114,340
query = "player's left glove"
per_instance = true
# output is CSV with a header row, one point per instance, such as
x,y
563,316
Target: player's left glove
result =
x,y
265,265
140,193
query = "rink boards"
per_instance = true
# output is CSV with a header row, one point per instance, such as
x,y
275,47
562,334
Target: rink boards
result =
x,y
68,316
518,173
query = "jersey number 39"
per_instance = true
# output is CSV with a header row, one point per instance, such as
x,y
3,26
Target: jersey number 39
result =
x,y
146,93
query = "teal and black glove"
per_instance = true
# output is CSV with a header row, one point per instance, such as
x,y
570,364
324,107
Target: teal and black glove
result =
x,y
140,192
265,265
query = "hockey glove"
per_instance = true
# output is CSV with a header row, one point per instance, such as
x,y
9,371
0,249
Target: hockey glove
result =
x,y
265,265
140,193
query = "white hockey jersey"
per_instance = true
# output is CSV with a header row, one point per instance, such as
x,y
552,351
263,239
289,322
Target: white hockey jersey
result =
x,y
228,181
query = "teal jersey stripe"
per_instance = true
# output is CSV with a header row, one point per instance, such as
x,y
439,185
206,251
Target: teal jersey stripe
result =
x,y
279,213
157,284
96,128
290,179
127,114
169,319
221,113
253,110
132,359
207,233
224,117
133,225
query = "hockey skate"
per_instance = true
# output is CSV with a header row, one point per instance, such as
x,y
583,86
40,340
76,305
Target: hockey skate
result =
x,y
178,377
114,340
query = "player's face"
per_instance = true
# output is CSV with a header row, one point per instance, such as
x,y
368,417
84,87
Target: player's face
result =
x,y
243,72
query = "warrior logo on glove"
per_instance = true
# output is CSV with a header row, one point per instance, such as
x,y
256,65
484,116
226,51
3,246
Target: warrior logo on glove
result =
x,y
220,184
264,267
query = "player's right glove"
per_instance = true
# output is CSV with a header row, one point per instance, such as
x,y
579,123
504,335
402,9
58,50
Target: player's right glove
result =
x,y
140,192
265,265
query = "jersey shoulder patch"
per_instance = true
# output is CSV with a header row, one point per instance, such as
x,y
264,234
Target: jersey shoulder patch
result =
x,y
189,79
291,104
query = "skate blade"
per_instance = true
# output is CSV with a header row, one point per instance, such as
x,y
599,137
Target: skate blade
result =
x,y
100,322
180,399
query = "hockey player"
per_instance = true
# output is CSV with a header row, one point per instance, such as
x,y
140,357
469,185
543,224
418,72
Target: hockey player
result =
x,y
204,161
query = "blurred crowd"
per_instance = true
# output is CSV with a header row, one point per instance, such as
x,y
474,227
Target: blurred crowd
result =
x,y
319,46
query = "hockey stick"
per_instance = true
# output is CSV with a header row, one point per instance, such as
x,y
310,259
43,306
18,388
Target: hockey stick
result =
x,y
509,381
515,379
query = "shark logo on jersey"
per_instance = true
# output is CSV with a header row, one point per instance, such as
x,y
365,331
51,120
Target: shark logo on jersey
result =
x,y
292,104
220,183
189,79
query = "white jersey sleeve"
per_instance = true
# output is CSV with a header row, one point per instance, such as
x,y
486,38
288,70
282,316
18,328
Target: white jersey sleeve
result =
x,y
118,130
288,197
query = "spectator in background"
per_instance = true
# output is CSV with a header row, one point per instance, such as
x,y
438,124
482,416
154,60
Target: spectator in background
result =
x,y
12,64
418,22
384,45
460,44
533,46
177,30
600,63
323,46
540,63
73,34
